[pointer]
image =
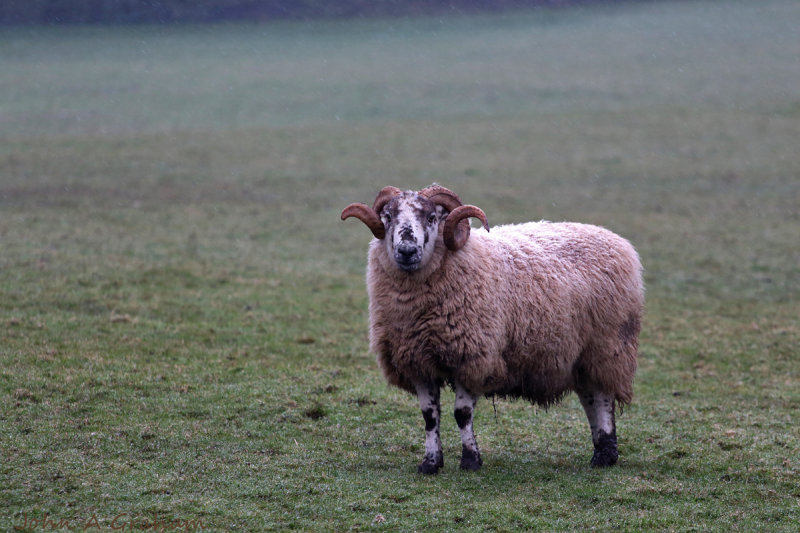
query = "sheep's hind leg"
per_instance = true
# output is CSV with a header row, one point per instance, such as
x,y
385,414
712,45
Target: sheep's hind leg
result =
x,y
599,407
464,409
428,395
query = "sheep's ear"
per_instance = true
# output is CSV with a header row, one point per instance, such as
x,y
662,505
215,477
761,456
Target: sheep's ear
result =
x,y
456,226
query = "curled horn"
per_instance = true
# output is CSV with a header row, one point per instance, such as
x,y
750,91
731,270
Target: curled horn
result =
x,y
456,233
456,226
384,197
371,215
442,196
366,215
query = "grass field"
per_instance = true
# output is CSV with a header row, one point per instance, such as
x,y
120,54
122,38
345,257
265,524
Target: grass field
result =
x,y
183,325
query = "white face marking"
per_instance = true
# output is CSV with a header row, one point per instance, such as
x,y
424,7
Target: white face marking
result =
x,y
412,226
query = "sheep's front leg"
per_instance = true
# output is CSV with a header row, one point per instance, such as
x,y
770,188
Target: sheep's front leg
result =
x,y
599,407
464,409
428,395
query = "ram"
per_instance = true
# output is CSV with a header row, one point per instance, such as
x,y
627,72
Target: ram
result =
x,y
529,311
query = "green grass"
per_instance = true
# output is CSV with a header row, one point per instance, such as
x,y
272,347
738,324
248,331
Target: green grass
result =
x,y
183,326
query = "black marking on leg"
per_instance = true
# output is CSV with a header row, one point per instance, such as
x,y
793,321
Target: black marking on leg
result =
x,y
470,459
431,464
605,449
430,420
463,416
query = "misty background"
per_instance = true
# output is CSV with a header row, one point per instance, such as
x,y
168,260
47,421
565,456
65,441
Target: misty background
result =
x,y
178,11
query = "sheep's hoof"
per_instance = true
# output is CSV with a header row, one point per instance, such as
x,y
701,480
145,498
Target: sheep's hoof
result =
x,y
605,450
602,460
470,461
431,465
471,464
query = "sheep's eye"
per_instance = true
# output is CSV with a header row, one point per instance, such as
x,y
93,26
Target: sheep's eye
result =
x,y
388,218
431,218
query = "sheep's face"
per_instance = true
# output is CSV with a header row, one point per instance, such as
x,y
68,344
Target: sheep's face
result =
x,y
412,226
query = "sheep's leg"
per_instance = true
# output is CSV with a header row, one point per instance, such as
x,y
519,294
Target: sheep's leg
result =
x,y
599,407
428,395
464,409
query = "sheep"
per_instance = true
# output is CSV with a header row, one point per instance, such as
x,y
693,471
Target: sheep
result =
x,y
530,311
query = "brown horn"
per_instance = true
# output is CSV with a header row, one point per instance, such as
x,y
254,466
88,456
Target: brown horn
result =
x,y
366,215
441,196
456,226
384,197
371,216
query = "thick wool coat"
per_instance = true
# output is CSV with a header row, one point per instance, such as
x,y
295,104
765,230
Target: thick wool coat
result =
x,y
528,310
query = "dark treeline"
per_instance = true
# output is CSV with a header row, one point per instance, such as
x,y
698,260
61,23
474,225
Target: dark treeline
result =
x,y
174,11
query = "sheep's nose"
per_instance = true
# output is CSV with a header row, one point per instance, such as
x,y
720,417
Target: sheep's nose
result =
x,y
407,257
406,252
